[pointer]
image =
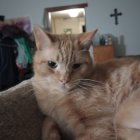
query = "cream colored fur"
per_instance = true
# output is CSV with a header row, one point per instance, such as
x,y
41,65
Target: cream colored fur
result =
x,y
86,101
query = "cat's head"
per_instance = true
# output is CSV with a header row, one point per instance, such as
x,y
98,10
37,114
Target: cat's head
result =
x,y
62,60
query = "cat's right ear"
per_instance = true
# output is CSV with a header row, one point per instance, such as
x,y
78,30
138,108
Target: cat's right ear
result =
x,y
42,40
85,39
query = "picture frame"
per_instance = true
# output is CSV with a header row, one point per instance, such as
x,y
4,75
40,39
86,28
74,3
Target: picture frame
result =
x,y
68,31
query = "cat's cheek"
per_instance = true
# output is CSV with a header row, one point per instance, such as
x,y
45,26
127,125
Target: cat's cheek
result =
x,y
57,73
43,69
84,69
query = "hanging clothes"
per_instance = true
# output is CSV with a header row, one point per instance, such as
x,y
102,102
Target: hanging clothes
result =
x,y
24,53
8,67
15,56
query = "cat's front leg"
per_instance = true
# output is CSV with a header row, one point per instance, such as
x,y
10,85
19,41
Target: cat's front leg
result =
x,y
50,130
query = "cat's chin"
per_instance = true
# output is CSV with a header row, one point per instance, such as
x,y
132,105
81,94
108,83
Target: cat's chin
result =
x,y
64,88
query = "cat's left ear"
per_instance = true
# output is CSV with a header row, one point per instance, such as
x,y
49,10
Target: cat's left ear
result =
x,y
41,38
85,39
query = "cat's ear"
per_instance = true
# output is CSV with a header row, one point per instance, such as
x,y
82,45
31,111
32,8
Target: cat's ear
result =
x,y
41,38
85,39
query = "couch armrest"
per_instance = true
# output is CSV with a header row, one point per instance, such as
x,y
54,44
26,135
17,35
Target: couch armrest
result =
x,y
20,118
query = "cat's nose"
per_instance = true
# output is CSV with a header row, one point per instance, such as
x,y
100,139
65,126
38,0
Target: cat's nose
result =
x,y
64,81
64,78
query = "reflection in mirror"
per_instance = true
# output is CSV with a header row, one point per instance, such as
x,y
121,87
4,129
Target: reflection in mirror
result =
x,y
65,19
68,21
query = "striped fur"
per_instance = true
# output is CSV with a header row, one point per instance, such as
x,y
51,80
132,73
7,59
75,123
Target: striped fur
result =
x,y
88,102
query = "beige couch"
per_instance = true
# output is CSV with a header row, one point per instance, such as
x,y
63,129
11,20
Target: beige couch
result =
x,y
20,118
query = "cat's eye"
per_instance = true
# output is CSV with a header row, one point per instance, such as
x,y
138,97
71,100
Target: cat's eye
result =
x,y
52,64
76,66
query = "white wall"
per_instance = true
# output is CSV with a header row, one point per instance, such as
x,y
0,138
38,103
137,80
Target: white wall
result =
x,y
32,8
128,30
97,16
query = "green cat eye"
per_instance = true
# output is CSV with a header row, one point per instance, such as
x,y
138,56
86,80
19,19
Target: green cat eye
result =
x,y
76,66
52,64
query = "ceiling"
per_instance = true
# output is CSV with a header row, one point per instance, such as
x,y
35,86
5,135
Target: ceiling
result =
x,y
65,13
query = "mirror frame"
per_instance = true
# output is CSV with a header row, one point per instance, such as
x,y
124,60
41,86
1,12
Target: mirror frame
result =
x,y
47,14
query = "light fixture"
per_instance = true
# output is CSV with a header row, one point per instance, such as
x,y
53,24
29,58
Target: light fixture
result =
x,y
73,12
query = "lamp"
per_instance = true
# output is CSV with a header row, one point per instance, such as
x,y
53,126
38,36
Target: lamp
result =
x,y
73,12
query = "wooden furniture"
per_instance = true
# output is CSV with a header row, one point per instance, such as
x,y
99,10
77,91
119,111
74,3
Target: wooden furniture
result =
x,y
103,53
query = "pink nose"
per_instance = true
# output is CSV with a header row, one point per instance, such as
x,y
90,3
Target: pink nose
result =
x,y
64,81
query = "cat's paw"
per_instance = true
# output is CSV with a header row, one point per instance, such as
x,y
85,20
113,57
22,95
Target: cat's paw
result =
x,y
50,130
53,135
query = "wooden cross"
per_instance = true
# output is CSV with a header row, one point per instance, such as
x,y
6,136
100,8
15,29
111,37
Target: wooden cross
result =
x,y
116,14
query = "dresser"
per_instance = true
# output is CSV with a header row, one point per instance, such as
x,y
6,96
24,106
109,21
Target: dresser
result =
x,y
103,53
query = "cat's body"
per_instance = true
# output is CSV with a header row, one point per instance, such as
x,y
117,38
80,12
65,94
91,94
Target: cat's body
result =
x,y
87,102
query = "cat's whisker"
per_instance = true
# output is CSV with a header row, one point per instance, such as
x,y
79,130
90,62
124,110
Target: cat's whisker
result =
x,y
82,87
75,82
91,80
73,87
91,83
87,85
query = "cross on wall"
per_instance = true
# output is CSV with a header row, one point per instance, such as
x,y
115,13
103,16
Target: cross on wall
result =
x,y
115,15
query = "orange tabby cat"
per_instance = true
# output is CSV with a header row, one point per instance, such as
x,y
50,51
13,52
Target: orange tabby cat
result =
x,y
86,101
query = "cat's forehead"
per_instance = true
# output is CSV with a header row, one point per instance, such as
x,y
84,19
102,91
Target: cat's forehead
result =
x,y
63,50
66,41
65,36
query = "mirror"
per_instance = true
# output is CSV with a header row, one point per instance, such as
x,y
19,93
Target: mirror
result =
x,y
68,21
65,19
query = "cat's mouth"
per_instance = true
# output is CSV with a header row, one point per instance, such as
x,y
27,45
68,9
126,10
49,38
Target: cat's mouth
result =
x,y
67,87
